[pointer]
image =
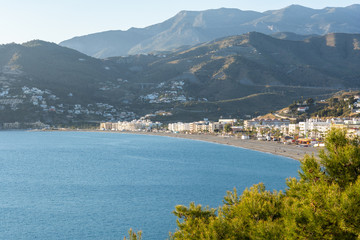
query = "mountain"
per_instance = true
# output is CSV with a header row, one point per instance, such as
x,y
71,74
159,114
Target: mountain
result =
x,y
42,81
194,27
233,76
255,59
49,65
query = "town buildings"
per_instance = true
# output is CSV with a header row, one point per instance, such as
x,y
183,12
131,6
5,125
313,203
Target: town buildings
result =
x,y
318,128
134,125
248,124
313,128
201,126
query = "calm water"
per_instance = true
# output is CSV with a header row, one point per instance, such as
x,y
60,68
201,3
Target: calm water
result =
x,y
71,185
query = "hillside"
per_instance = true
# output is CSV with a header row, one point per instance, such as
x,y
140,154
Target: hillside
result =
x,y
194,27
41,81
257,59
252,69
343,104
242,75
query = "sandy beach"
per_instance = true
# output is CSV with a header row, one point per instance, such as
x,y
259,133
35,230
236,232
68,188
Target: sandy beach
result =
x,y
276,148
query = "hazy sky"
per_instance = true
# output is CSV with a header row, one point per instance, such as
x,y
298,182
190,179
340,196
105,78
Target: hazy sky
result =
x,y
57,20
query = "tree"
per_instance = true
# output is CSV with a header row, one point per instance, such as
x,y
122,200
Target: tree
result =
x,y
194,221
133,235
227,127
342,160
309,101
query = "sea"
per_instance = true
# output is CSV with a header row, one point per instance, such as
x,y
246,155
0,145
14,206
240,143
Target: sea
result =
x,y
98,185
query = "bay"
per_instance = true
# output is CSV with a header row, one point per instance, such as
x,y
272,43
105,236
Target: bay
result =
x,y
97,185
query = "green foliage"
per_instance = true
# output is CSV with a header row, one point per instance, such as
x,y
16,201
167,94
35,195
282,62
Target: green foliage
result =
x,y
342,159
133,235
195,220
227,127
336,106
350,202
312,210
324,203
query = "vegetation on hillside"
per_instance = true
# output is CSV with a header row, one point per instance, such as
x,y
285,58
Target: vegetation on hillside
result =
x,y
323,204
341,104
337,106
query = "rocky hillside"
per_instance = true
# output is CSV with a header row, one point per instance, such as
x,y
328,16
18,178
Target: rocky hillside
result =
x,y
194,27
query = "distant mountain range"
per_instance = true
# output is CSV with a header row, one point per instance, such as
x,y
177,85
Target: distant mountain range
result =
x,y
232,76
194,27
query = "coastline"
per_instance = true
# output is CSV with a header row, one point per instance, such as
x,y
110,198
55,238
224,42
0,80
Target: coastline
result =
x,y
275,148
290,151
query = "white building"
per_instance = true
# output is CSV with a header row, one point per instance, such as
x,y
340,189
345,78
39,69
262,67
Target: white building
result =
x,y
271,123
201,126
293,129
179,127
135,125
227,121
314,127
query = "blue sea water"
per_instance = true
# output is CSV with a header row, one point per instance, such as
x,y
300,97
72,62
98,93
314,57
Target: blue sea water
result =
x,y
78,185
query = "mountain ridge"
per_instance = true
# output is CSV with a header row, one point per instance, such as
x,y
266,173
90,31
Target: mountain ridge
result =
x,y
194,27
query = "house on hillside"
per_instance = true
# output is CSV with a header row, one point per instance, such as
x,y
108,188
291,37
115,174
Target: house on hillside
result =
x,y
302,109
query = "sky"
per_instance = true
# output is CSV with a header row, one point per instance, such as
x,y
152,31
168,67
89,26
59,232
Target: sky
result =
x,y
58,20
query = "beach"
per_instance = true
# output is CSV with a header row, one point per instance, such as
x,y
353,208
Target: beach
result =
x,y
277,148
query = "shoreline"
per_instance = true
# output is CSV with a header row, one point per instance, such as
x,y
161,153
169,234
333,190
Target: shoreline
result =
x,y
275,148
